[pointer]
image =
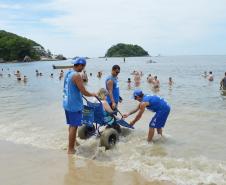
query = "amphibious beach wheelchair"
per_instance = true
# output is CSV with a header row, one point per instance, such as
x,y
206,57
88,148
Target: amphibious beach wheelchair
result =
x,y
93,120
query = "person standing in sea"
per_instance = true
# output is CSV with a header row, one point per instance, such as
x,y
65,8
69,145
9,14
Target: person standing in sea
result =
x,y
210,76
150,79
156,83
171,82
84,76
153,103
112,86
137,78
72,100
223,82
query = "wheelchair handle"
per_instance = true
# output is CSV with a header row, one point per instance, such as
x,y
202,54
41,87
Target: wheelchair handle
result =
x,y
84,98
98,99
95,97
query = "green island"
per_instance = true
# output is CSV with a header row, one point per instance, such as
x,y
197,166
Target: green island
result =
x,y
126,50
16,48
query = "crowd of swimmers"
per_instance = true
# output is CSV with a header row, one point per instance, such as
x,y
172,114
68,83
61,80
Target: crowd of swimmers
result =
x,y
20,77
152,80
210,77
17,74
137,76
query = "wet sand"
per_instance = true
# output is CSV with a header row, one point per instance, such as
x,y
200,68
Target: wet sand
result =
x,y
25,165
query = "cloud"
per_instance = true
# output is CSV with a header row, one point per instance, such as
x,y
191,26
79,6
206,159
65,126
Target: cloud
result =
x,y
90,27
12,7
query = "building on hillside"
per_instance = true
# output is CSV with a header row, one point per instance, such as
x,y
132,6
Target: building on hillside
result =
x,y
40,50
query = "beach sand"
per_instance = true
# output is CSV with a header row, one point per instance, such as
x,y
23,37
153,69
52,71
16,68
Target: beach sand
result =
x,y
26,165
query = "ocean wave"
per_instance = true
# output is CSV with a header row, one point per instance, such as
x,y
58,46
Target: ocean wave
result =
x,y
132,153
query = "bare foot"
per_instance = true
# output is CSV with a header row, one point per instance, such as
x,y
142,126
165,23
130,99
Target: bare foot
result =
x,y
77,143
71,151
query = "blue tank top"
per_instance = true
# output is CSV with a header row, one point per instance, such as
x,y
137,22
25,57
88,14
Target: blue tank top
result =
x,y
72,97
115,90
156,103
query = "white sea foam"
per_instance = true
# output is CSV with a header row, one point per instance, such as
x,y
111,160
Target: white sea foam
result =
x,y
132,153
35,136
151,162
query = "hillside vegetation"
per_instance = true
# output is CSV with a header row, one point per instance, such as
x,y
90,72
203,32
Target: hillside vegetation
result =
x,y
14,47
126,50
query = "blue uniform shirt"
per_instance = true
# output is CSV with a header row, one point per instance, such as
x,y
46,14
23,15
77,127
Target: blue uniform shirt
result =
x,y
156,103
115,90
72,97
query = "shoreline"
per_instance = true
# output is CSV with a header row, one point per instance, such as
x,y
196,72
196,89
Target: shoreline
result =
x,y
23,164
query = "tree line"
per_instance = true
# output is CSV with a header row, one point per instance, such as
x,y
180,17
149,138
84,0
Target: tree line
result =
x,y
14,47
126,50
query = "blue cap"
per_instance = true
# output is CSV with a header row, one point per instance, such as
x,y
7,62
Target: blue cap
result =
x,y
79,60
137,92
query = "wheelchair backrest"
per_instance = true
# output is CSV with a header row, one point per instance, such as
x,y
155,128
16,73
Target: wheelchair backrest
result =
x,y
98,112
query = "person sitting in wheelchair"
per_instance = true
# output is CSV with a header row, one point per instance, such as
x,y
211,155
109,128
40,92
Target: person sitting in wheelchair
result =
x,y
109,115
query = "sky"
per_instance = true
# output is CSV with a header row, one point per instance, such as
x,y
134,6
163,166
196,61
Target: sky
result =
x,y
90,27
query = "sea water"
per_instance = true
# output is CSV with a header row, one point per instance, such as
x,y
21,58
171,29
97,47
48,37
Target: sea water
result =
x,y
193,149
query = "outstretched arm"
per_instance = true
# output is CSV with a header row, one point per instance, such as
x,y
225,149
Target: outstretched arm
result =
x,y
140,113
131,112
79,83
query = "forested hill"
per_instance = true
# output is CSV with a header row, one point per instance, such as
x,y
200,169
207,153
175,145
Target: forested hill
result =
x,y
14,47
126,50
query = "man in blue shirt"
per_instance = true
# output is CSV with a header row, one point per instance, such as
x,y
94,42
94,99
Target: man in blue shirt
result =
x,y
72,100
112,86
153,103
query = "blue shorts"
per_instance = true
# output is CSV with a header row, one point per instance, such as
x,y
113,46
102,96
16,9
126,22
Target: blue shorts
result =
x,y
74,119
159,119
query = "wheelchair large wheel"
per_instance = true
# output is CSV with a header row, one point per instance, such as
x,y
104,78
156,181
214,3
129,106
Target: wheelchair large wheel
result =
x,y
109,138
85,132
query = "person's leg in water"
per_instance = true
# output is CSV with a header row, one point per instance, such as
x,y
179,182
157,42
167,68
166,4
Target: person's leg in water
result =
x,y
150,134
159,131
72,139
162,118
158,122
72,142
152,126
73,120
